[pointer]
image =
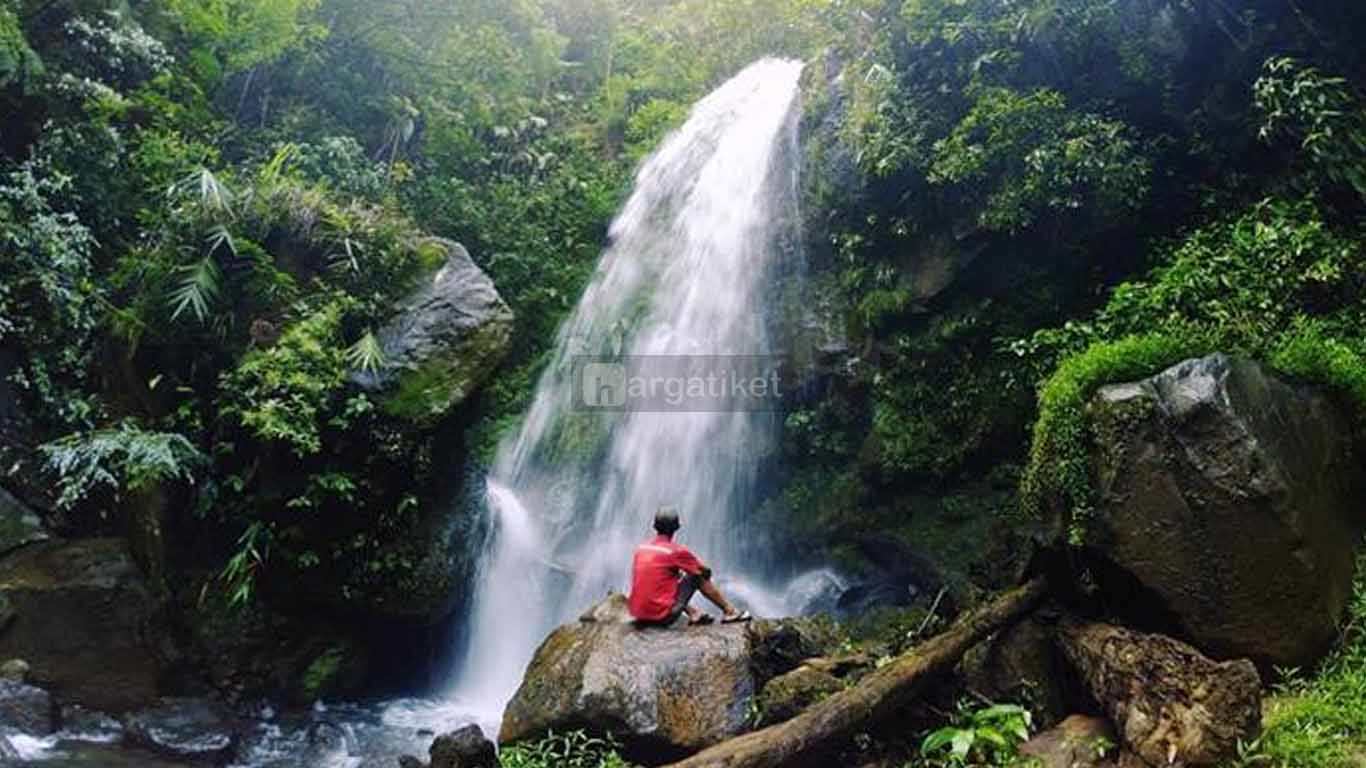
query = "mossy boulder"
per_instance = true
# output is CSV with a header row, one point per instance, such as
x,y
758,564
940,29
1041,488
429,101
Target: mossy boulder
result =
x,y
1228,509
787,695
447,337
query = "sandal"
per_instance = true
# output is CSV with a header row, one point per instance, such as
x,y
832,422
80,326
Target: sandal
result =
x,y
701,621
742,616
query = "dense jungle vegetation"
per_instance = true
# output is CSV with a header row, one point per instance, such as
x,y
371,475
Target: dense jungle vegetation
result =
x,y
208,207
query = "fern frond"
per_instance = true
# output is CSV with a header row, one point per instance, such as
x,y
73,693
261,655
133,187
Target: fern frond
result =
x,y
198,288
367,354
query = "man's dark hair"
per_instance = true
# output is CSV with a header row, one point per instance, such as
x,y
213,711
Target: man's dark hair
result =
x,y
666,521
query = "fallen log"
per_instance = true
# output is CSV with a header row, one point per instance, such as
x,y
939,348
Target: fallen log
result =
x,y
823,727
1171,705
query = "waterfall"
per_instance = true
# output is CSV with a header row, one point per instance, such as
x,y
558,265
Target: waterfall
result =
x,y
688,275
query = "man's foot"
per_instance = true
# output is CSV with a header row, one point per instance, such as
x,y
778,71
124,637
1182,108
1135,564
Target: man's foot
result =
x,y
701,620
735,617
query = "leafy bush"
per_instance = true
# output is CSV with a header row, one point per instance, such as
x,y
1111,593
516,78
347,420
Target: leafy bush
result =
x,y
123,458
574,749
989,736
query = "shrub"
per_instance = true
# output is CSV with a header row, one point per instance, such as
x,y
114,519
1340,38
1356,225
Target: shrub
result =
x,y
574,749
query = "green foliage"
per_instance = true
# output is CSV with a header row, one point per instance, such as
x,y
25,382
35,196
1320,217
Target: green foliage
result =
x,y
989,736
123,458
1020,155
18,63
1321,112
573,749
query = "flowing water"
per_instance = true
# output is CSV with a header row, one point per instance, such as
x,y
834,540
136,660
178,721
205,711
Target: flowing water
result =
x,y
689,271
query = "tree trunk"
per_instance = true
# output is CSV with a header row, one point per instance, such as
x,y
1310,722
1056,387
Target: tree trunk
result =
x,y
1171,705
823,727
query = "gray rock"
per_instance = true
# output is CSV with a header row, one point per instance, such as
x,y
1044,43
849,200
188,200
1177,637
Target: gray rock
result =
x,y
193,730
663,692
446,339
87,622
26,709
19,525
1077,742
465,748
1228,509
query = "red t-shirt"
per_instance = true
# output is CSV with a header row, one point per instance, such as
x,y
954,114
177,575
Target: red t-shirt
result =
x,y
655,571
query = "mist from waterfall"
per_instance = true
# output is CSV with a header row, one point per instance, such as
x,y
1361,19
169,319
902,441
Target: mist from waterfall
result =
x,y
689,270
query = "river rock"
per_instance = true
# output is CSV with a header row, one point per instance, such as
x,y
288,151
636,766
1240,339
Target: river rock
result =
x,y
194,730
1228,509
664,693
26,709
15,670
464,748
1078,741
446,338
87,622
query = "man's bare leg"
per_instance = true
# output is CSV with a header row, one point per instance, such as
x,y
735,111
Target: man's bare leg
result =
x,y
709,591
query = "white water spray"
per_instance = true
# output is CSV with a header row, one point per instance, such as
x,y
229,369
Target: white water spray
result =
x,y
689,271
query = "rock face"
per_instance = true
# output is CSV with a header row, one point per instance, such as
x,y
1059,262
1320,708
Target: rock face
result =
x,y
447,337
664,692
193,730
86,622
1228,509
1171,706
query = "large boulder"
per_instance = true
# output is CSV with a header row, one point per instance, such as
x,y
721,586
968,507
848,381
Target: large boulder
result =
x,y
464,748
86,622
445,340
664,693
1228,510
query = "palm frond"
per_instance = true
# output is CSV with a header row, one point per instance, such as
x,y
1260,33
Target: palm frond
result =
x,y
218,237
347,257
208,191
367,354
199,286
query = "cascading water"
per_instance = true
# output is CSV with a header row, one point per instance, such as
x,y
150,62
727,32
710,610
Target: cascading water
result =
x,y
689,270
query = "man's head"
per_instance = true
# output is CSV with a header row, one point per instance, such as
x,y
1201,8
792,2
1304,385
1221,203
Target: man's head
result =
x,y
666,520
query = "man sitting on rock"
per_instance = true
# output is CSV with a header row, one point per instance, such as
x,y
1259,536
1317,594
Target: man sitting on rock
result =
x,y
664,577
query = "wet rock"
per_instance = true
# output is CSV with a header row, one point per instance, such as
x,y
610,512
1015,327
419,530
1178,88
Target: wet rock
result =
x,y
7,751
1021,664
90,724
663,692
87,622
1228,510
787,695
446,339
19,525
193,730
465,748
15,670
1077,742
408,761
26,709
